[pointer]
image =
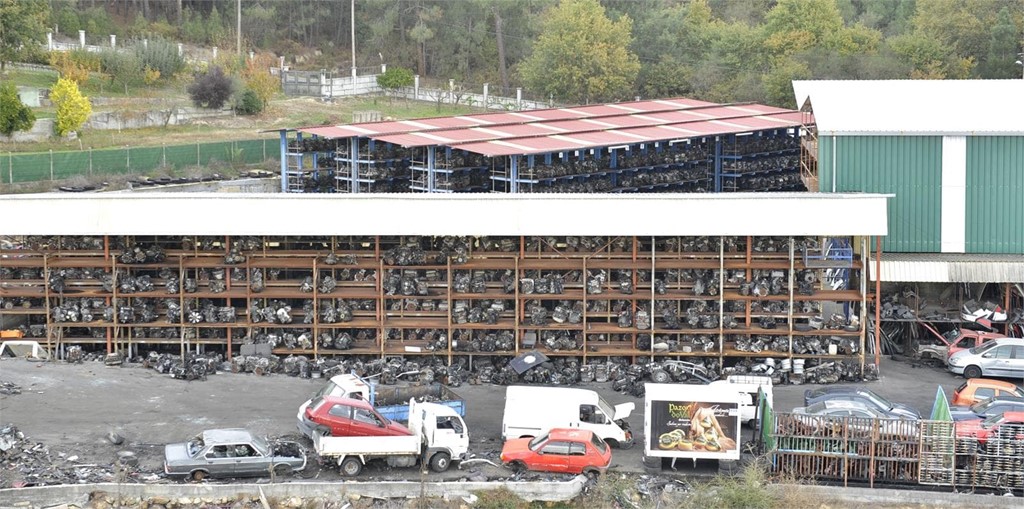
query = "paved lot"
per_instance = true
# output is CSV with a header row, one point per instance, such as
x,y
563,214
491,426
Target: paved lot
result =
x,y
71,408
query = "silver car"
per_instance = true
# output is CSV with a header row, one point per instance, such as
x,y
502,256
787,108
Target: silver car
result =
x,y
232,453
1002,357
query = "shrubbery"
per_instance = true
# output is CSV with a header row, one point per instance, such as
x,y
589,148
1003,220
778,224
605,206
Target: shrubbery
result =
x,y
14,115
248,103
73,109
211,89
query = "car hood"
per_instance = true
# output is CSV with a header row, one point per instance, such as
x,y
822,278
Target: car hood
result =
x,y
623,410
962,413
905,411
176,453
969,427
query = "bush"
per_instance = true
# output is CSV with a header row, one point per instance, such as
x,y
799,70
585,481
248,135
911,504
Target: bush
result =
x,y
211,89
257,77
248,103
160,55
124,68
14,115
68,68
73,109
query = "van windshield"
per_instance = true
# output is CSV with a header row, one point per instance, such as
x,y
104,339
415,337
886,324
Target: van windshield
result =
x,y
606,409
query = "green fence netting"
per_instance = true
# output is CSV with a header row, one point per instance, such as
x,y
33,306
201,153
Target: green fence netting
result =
x,y
17,168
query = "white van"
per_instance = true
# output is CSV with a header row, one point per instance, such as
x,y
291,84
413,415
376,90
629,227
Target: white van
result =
x,y
747,386
531,411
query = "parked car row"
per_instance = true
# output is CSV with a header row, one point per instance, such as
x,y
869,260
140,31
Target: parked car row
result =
x,y
552,429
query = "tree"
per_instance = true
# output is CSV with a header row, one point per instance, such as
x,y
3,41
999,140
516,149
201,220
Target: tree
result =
x,y
211,89
73,109
581,55
395,78
14,115
1002,49
257,77
22,22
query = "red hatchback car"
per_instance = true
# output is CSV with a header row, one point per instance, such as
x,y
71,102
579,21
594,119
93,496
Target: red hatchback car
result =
x,y
347,417
1008,425
571,451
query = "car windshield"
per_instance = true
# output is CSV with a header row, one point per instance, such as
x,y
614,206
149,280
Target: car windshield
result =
x,y
951,335
261,445
326,390
195,445
982,348
877,400
981,406
537,441
992,421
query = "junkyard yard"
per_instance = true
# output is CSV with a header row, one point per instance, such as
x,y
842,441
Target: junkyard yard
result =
x,y
71,409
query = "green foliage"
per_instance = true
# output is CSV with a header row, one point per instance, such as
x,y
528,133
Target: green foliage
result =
x,y
211,89
581,55
248,103
1002,49
73,109
22,22
161,55
257,77
14,115
746,491
501,498
124,68
97,22
67,20
395,78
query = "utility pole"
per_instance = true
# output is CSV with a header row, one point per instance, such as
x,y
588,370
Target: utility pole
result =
x,y
238,28
353,38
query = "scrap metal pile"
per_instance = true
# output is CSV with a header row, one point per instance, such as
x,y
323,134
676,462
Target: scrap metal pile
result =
x,y
27,463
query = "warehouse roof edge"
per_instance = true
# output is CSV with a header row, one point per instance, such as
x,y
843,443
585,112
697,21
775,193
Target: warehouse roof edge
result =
x,y
432,214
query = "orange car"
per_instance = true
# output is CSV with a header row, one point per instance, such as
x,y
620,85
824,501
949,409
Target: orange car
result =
x,y
571,451
980,389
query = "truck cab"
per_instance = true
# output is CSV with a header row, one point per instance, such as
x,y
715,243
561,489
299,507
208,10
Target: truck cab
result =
x,y
748,387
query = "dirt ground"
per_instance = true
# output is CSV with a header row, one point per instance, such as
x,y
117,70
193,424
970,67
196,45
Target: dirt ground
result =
x,y
72,408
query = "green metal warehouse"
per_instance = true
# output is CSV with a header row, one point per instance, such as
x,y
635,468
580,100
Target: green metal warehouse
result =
x,y
952,153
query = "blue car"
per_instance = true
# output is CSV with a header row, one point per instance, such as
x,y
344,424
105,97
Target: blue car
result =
x,y
987,408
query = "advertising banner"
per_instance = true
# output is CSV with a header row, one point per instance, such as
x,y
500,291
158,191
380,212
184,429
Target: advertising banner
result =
x,y
694,429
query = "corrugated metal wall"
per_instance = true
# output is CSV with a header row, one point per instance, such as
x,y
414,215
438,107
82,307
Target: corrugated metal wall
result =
x,y
995,194
908,166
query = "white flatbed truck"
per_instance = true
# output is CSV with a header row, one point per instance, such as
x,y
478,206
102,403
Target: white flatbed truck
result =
x,y
439,437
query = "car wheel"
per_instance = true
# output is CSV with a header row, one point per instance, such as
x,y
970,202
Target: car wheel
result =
x,y
517,466
440,461
591,474
351,467
972,372
282,470
198,475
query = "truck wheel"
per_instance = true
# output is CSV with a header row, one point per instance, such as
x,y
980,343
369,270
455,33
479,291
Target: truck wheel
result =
x,y
440,462
198,475
625,445
972,372
351,467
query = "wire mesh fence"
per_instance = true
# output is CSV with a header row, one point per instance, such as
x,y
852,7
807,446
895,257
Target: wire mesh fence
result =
x,y
42,166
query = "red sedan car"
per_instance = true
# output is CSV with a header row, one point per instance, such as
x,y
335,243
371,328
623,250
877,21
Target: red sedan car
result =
x,y
571,451
1009,425
346,417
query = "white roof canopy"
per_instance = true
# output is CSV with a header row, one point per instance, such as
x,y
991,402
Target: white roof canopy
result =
x,y
915,107
434,214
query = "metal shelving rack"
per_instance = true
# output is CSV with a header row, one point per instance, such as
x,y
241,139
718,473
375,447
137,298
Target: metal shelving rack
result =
x,y
588,323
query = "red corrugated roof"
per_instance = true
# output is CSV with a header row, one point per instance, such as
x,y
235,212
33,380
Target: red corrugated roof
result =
x,y
537,131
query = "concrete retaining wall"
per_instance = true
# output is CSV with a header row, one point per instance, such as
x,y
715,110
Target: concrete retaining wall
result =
x,y
41,130
46,496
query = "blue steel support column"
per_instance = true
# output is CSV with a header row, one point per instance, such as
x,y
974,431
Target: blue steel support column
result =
x,y
284,161
514,165
718,164
354,152
316,163
431,158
